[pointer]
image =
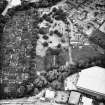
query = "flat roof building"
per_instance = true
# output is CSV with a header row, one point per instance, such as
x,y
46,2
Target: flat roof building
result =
x,y
92,81
87,101
62,97
74,98
50,94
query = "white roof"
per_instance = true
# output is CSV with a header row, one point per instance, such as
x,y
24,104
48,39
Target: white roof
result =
x,y
74,97
93,80
49,94
86,101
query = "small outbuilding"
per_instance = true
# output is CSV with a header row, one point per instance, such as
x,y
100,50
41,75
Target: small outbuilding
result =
x,y
86,101
74,98
61,97
49,94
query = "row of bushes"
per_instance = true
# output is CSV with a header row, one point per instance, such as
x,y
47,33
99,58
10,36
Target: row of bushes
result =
x,y
2,23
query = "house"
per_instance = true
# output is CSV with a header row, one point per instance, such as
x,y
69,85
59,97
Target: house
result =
x,y
86,101
74,98
61,97
92,81
49,94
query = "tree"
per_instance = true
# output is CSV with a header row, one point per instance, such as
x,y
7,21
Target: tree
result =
x,y
95,102
81,64
98,38
52,75
59,14
58,33
62,76
35,92
47,18
43,31
73,69
57,85
61,69
40,82
29,87
3,4
11,4
21,91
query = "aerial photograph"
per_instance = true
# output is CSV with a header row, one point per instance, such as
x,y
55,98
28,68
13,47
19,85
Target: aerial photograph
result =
x,y
52,52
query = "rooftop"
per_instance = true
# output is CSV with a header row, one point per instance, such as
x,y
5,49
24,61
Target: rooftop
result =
x,y
92,79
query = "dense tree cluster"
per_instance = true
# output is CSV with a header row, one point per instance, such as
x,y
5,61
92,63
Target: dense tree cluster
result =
x,y
98,38
58,33
83,58
57,76
40,82
48,3
59,14
42,31
57,85
97,61
54,75
25,5
3,21
87,57
47,17
3,4
17,66
2,24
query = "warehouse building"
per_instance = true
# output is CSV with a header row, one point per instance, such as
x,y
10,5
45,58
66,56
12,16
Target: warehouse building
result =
x,y
92,81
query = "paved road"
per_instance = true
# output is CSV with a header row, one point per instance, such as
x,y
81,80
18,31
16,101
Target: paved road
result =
x,y
26,101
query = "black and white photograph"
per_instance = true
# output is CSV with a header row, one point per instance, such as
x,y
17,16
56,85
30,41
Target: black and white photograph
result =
x,y
52,52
